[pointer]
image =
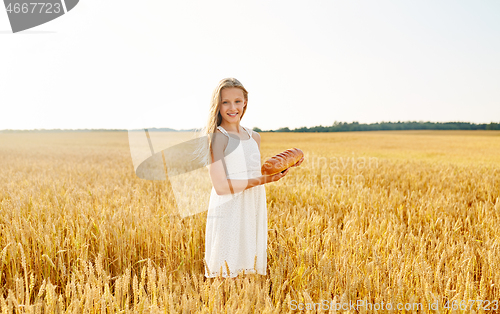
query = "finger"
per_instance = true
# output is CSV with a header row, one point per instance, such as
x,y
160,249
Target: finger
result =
x,y
299,162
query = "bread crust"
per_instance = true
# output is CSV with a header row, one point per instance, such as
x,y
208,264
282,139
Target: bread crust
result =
x,y
282,161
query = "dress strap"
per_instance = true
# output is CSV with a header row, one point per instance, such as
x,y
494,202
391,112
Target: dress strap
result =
x,y
223,131
249,131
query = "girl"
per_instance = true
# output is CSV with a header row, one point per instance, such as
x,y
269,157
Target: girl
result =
x,y
236,230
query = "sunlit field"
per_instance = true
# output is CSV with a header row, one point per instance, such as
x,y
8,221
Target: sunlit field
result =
x,y
410,218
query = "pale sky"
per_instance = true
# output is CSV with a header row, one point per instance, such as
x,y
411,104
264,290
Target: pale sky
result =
x,y
134,64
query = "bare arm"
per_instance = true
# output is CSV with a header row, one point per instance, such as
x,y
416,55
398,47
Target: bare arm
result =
x,y
218,174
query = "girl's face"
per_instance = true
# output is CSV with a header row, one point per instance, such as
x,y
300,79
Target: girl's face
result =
x,y
232,104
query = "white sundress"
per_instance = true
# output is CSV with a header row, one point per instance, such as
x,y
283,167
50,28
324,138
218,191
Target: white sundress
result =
x,y
236,230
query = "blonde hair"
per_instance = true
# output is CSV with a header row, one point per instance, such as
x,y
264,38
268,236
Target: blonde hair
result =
x,y
214,116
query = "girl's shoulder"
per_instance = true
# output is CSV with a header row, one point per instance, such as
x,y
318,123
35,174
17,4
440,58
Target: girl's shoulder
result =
x,y
218,131
219,139
256,136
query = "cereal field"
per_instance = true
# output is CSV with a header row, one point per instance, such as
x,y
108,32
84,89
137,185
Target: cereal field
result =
x,y
408,218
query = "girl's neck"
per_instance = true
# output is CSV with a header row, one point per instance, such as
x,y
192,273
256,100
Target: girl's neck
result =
x,y
231,127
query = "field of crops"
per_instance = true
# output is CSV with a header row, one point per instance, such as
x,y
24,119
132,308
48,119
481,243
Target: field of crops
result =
x,y
408,218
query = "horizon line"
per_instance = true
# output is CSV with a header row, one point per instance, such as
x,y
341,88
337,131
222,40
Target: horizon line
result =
x,y
166,129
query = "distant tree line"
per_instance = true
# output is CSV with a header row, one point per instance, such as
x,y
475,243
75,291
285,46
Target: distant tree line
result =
x,y
390,126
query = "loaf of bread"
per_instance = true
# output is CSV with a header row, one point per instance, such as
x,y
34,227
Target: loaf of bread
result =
x,y
281,161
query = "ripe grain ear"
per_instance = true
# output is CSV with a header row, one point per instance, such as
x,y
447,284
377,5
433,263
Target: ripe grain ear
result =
x,y
227,269
206,266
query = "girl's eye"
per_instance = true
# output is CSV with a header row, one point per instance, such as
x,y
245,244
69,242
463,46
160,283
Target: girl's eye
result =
x,y
238,101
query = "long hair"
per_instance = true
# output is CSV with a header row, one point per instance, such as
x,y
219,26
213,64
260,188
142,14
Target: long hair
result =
x,y
214,116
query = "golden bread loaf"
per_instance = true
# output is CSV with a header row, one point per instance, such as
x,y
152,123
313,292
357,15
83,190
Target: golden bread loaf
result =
x,y
281,161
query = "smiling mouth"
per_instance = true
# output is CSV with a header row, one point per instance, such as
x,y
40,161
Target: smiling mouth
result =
x,y
232,114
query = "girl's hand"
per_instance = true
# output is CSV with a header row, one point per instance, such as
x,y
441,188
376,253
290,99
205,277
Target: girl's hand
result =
x,y
298,162
277,176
